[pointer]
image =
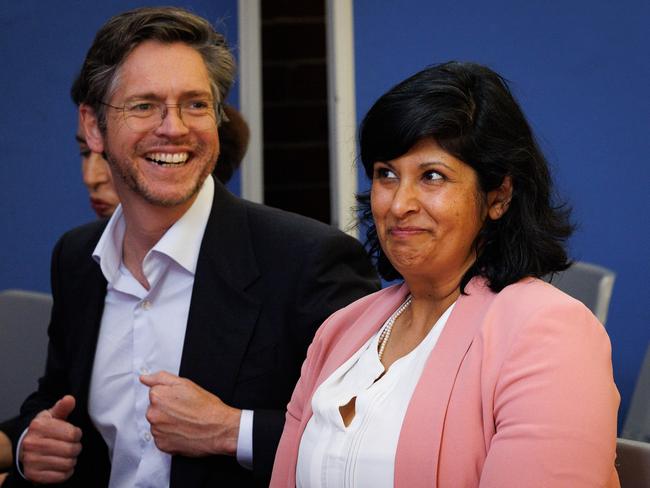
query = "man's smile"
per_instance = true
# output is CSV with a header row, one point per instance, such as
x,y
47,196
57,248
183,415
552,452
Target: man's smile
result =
x,y
167,159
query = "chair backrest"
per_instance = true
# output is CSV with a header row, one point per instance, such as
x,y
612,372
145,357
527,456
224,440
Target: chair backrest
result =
x,y
637,423
633,463
24,316
589,283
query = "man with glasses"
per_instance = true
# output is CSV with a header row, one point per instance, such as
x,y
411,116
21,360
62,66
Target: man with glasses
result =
x,y
178,327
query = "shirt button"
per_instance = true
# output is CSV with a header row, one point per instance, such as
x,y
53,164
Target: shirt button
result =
x,y
147,436
146,304
144,370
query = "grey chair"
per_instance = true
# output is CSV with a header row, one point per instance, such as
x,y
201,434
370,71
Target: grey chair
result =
x,y
24,316
637,423
633,463
589,283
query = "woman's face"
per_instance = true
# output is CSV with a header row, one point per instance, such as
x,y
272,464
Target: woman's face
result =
x,y
428,211
97,178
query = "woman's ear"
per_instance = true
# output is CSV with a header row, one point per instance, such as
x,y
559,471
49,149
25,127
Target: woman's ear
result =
x,y
499,199
90,124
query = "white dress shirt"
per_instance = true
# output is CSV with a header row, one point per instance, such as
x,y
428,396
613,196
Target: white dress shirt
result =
x,y
142,331
363,453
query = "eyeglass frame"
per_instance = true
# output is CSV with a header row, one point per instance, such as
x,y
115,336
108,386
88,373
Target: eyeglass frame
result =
x,y
218,112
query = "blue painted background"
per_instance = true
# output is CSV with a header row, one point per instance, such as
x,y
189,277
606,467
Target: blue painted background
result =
x,y
42,47
581,70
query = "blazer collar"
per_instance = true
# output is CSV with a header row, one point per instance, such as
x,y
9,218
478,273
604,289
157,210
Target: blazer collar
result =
x,y
227,246
355,336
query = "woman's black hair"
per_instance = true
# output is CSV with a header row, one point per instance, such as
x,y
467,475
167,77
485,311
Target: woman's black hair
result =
x,y
470,112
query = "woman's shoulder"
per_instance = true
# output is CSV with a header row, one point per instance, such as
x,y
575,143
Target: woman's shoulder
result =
x,y
534,294
363,311
532,306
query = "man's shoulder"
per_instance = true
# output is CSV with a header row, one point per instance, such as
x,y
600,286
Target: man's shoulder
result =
x,y
272,221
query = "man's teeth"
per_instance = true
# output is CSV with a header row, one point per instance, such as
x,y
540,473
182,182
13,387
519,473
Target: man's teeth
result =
x,y
168,158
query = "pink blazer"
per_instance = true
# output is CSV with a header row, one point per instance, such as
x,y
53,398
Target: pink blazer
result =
x,y
518,392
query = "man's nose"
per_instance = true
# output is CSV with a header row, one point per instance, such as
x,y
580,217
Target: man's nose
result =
x,y
172,123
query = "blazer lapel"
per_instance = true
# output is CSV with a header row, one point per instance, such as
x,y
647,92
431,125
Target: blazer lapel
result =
x,y
421,434
355,335
351,336
90,294
222,314
91,310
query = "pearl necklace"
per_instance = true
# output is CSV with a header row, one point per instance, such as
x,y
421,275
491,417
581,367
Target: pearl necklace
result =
x,y
388,328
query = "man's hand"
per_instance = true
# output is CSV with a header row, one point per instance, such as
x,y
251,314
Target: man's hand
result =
x,y
50,448
188,420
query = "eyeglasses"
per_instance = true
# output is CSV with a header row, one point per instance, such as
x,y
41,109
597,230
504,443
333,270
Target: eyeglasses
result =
x,y
146,115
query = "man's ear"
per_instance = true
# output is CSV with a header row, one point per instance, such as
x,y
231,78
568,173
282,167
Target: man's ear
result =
x,y
499,199
90,123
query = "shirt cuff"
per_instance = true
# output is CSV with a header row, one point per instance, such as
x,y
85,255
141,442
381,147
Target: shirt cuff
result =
x,y
245,440
16,457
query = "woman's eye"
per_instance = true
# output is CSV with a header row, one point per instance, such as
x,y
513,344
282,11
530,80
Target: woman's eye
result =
x,y
384,173
432,176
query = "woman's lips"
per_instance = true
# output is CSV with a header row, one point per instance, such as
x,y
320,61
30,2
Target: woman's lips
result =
x,y
406,231
100,207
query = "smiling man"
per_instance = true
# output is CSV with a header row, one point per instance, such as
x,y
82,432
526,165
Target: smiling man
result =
x,y
179,326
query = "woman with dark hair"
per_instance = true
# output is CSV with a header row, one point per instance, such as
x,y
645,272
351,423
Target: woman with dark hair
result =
x,y
473,371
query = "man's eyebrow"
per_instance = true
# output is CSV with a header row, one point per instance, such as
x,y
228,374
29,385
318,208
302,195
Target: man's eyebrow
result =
x,y
143,96
197,93
184,95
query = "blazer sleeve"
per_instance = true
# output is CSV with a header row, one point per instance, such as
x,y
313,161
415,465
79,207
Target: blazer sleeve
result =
x,y
555,405
335,272
51,384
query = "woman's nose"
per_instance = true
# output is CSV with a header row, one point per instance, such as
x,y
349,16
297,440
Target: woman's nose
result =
x,y
405,199
94,171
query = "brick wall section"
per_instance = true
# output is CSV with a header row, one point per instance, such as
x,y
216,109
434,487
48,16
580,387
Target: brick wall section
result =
x,y
294,76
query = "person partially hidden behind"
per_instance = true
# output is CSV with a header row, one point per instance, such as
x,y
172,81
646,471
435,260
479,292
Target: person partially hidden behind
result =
x,y
97,178
473,371
179,325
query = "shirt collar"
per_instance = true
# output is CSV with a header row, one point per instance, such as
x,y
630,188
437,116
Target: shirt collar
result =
x,y
181,242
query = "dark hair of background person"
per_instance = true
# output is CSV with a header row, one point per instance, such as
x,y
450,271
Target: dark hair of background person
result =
x,y
123,33
233,142
469,111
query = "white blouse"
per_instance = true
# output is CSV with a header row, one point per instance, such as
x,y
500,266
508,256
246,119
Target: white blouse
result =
x,y
363,453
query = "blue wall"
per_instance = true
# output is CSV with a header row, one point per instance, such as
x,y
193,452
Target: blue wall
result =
x,y
42,46
580,70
